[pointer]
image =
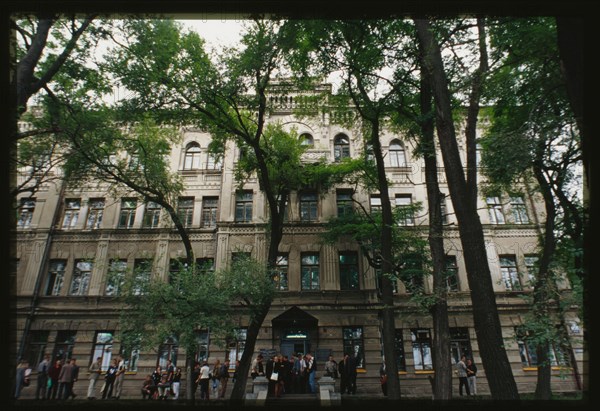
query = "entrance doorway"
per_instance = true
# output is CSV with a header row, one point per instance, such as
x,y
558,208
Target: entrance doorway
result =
x,y
295,331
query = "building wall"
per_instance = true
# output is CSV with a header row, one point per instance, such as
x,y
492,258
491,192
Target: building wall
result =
x,y
333,308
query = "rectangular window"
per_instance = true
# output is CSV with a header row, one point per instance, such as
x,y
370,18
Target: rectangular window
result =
x,y
103,344
344,203
168,351
421,345
236,345
308,207
151,215
412,272
56,277
36,347
63,346
26,210
185,210
130,350
531,265
460,343
81,277
405,210
205,264
202,339
375,204
349,271
142,272
71,214
519,211
451,273
399,349
510,275
243,206
209,212
127,215
354,344
214,163
309,271
495,210
116,277
528,350
280,274
95,212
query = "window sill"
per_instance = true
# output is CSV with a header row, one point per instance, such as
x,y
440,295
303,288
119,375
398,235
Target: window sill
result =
x,y
417,372
553,368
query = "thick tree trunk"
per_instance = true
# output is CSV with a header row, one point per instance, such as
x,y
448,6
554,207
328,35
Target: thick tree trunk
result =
x,y
485,311
544,281
442,362
387,298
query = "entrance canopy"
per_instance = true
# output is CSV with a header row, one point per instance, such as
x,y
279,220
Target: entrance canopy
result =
x,y
295,318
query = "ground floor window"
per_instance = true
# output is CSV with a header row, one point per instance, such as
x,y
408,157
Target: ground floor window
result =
x,y
460,344
236,344
421,345
399,349
130,350
168,351
63,348
103,348
528,350
202,339
354,344
36,347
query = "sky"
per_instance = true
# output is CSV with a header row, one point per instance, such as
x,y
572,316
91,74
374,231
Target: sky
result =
x,y
216,32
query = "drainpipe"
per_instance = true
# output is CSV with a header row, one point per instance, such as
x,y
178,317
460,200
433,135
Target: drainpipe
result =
x,y
40,275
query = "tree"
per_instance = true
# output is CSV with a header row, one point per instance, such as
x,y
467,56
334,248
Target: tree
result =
x,y
485,312
540,145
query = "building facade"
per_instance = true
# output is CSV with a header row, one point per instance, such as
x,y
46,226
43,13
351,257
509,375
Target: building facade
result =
x,y
69,239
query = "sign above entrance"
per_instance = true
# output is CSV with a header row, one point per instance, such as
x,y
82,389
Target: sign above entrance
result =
x,y
296,335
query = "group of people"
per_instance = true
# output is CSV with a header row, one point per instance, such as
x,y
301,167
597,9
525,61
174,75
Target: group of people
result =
x,y
54,380
162,383
467,376
215,379
297,374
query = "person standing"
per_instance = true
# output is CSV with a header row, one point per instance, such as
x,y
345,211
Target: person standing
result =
x,y
342,367
203,381
109,380
350,370
277,376
331,368
311,369
257,367
68,375
462,376
53,375
472,376
42,378
224,378
216,376
176,383
121,368
95,371
268,372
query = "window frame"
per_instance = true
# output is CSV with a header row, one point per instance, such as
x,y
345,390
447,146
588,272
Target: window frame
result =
x,y
72,208
185,211
397,154
95,213
192,156
26,210
117,274
341,148
519,210
280,274
495,211
406,214
451,273
56,277
244,200
313,269
422,345
83,275
168,350
152,212
210,209
127,212
353,343
103,348
349,271
344,203
308,202
509,272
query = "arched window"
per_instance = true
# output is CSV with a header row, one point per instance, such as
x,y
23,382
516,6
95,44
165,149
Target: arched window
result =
x,y
192,157
306,139
341,147
397,156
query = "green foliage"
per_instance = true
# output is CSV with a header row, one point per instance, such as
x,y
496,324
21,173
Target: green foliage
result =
x,y
195,298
